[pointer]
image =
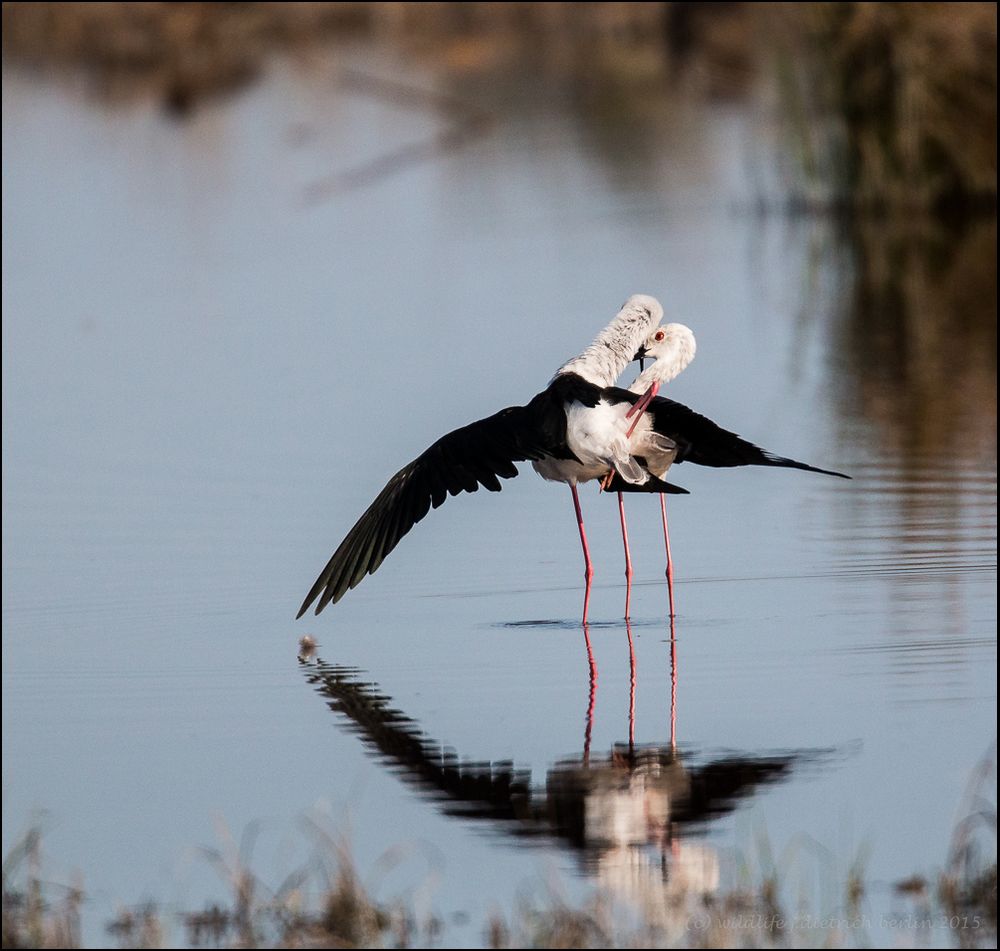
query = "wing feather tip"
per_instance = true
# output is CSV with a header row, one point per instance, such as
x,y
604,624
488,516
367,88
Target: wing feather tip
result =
x,y
441,471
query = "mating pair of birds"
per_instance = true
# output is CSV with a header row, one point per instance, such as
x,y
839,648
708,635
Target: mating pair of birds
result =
x,y
580,428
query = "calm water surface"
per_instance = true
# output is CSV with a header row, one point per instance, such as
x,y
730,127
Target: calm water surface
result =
x,y
221,337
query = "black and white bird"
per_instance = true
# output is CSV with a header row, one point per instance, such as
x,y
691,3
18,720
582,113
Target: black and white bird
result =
x,y
672,348
575,430
690,436
608,429
569,431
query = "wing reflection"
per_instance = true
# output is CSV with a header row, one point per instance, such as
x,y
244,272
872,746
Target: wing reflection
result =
x,y
620,812
480,790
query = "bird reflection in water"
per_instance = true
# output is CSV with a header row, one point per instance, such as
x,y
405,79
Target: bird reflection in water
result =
x,y
627,815
631,692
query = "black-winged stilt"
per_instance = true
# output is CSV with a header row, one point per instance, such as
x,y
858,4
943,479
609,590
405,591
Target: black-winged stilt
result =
x,y
577,429
672,348
568,431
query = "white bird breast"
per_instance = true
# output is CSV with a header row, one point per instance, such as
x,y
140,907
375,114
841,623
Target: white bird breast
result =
x,y
597,437
596,434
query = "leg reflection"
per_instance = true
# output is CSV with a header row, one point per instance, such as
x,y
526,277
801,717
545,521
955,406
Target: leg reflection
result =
x,y
589,727
673,684
631,692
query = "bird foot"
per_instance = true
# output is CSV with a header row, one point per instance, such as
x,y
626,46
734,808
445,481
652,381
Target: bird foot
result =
x,y
640,405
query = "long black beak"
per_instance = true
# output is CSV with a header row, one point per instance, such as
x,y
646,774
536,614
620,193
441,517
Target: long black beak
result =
x,y
640,355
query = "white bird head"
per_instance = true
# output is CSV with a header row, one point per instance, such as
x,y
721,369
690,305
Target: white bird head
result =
x,y
640,304
616,346
672,347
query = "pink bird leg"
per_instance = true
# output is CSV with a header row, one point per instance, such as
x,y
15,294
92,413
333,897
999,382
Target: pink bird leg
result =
x,y
589,568
639,407
670,560
628,557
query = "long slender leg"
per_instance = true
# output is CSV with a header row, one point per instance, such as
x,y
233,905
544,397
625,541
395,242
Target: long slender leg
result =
x,y
628,557
589,568
639,407
670,560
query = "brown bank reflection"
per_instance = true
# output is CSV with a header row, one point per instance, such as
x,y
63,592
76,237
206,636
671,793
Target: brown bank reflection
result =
x,y
630,815
918,328
916,389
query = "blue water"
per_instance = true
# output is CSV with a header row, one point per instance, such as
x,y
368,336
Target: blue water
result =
x,y
217,348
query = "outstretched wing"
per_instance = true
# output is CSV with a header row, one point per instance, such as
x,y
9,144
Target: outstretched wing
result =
x,y
701,441
481,453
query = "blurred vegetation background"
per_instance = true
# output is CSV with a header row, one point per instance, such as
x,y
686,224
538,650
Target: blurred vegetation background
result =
x,y
885,116
889,106
880,117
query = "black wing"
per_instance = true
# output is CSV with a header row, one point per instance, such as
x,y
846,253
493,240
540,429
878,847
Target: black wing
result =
x,y
485,790
701,441
463,460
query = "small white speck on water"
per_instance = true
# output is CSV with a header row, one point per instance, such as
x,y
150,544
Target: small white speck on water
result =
x,y
307,647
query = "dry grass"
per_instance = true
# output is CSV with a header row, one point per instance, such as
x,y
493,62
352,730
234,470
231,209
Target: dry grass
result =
x,y
324,904
37,914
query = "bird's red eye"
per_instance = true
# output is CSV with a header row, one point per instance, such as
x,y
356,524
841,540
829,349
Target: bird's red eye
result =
x,y
660,334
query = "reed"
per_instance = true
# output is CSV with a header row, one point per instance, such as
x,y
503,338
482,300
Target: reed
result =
x,y
891,107
324,904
